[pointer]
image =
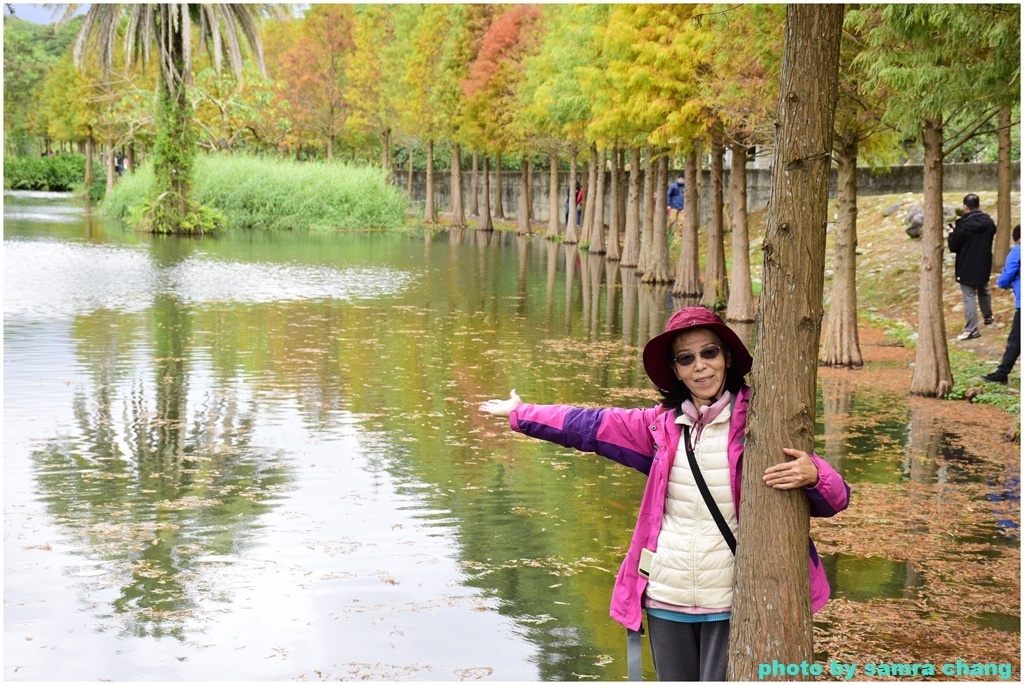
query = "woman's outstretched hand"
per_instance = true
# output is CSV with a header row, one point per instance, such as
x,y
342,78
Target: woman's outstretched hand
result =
x,y
798,473
501,408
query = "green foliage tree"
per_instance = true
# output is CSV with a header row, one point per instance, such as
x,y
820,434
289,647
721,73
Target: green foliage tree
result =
x,y
950,69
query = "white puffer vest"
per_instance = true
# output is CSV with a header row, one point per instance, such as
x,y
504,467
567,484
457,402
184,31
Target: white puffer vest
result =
x,y
693,566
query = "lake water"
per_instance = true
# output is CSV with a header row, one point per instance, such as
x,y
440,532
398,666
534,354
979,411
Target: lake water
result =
x,y
257,456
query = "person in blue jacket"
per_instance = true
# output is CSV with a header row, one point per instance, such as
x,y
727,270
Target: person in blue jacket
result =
x,y
675,205
1010,278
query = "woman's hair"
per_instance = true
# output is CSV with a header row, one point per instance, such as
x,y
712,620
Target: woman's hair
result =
x,y
675,397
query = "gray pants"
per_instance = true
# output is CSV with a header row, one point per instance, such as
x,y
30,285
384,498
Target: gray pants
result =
x,y
689,651
971,294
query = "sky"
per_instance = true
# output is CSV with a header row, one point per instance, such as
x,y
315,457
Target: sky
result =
x,y
35,13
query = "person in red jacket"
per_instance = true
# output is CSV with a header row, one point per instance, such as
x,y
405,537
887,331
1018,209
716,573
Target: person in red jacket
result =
x,y
680,562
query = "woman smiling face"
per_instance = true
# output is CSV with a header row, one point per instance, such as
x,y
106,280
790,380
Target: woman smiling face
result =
x,y
704,378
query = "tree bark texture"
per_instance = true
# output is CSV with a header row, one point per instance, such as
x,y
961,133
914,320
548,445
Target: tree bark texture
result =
x,y
499,205
111,166
646,215
614,253
572,232
658,270
523,218
1003,242
529,190
623,192
553,198
741,294
385,157
631,250
771,612
408,182
716,284
597,234
429,214
840,345
688,267
932,374
474,189
589,193
458,206
485,223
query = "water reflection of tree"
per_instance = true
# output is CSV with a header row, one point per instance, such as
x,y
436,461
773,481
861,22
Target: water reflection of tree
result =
x,y
148,487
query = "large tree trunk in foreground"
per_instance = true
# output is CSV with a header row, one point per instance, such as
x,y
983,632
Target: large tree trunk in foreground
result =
x,y
553,198
614,227
458,206
1001,245
741,294
771,612
429,214
932,374
485,223
840,345
631,251
658,270
716,284
688,268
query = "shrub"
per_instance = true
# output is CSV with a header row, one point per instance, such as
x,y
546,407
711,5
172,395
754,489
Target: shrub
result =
x,y
258,192
60,173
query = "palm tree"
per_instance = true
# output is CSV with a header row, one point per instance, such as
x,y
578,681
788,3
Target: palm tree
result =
x,y
167,30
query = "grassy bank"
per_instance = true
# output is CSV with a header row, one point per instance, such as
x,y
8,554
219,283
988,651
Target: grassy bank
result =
x,y
252,192
58,174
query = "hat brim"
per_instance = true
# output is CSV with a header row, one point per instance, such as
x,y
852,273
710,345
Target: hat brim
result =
x,y
656,354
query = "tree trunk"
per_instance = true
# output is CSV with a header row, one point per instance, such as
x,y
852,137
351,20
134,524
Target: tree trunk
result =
x,y
771,612
932,374
840,345
111,166
658,267
458,206
589,197
408,180
623,192
499,206
553,198
646,215
130,159
474,189
741,294
716,284
385,157
688,268
529,191
572,233
523,218
614,227
485,223
90,174
429,213
631,250
1001,245
597,233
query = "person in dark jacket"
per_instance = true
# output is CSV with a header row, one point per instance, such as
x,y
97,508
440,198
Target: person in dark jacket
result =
x,y
675,198
971,240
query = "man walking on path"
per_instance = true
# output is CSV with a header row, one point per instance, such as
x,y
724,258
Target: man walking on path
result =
x,y
675,206
1010,278
971,240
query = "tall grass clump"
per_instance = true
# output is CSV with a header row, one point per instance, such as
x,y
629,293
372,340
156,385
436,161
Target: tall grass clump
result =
x,y
269,193
60,173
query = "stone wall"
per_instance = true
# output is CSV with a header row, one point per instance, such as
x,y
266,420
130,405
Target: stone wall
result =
x,y
959,178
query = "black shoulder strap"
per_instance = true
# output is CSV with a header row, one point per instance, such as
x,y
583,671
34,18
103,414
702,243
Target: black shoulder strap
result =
x,y
716,513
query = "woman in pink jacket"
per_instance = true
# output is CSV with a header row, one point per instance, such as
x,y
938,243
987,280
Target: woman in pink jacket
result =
x,y
679,567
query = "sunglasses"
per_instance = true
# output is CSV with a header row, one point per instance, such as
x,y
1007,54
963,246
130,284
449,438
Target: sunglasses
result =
x,y
708,353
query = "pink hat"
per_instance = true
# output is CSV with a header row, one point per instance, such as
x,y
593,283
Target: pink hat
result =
x,y
657,351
